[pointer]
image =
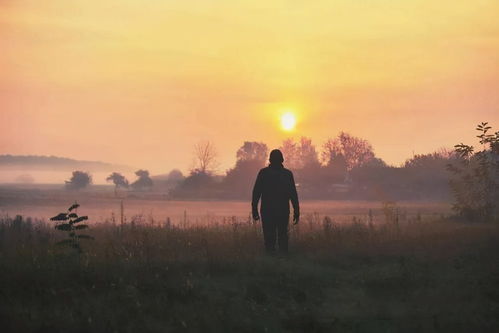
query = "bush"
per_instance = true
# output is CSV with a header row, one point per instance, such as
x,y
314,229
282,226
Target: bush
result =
x,y
79,180
475,181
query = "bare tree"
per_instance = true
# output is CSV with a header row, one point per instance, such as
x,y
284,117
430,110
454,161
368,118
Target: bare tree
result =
x,y
205,157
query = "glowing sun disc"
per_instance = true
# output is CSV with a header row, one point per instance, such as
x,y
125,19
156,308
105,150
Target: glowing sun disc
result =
x,y
288,121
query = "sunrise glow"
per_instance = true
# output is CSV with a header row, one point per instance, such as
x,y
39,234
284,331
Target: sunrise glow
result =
x,y
288,121
174,73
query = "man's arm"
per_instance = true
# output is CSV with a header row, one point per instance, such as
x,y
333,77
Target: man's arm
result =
x,y
257,193
294,200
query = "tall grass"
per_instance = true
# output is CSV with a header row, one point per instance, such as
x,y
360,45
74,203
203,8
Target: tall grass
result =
x,y
151,276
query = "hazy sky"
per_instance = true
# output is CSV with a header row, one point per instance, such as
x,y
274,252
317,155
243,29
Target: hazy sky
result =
x,y
141,81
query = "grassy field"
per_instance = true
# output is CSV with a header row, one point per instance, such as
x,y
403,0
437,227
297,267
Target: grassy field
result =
x,y
408,275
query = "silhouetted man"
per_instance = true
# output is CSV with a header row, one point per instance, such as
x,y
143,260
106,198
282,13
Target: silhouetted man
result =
x,y
275,185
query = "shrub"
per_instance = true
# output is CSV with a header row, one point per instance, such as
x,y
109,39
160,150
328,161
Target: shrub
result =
x,y
79,180
475,181
70,222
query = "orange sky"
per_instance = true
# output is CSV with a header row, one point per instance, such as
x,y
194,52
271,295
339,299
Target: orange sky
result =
x,y
141,81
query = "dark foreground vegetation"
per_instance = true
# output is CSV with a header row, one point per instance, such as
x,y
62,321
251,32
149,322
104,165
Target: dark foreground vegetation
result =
x,y
396,276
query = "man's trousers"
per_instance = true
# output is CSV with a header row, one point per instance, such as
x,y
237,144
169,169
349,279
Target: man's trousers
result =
x,y
275,228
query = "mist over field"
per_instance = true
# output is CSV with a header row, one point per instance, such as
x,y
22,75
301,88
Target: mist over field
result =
x,y
34,169
101,206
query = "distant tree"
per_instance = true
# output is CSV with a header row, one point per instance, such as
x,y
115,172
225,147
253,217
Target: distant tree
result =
x,y
119,181
251,158
252,150
205,157
299,154
144,182
167,182
175,176
426,174
289,149
198,179
432,160
475,177
78,180
307,154
336,170
197,184
376,180
308,170
355,151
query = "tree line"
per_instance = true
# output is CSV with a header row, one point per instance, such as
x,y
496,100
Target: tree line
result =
x,y
344,167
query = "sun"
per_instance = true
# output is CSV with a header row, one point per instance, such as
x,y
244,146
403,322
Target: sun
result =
x,y
288,121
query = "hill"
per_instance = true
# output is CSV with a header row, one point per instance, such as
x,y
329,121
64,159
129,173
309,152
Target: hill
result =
x,y
36,162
